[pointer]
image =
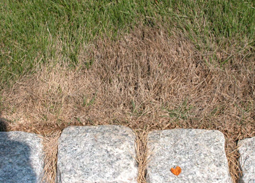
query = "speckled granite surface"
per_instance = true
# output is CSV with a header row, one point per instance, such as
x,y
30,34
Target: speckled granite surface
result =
x,y
106,154
97,154
199,153
21,158
247,159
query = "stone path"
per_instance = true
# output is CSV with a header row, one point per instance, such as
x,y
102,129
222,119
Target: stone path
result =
x,y
106,154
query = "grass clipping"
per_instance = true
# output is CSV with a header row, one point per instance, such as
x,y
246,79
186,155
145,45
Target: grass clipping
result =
x,y
145,81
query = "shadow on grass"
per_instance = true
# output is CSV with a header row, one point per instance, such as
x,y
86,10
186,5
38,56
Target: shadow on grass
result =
x,y
3,125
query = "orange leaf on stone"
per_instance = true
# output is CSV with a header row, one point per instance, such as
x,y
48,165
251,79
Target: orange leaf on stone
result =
x,y
176,170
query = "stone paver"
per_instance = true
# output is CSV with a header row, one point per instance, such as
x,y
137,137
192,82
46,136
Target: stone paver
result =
x,y
103,154
247,160
106,154
199,153
21,157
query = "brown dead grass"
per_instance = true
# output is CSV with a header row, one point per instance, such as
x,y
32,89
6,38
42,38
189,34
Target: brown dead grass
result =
x,y
50,143
141,153
145,81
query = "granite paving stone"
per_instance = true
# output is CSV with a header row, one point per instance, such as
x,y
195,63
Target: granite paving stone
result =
x,y
21,157
199,153
247,160
102,154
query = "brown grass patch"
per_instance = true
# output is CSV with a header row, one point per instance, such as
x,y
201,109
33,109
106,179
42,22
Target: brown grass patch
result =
x,y
50,144
145,81
141,154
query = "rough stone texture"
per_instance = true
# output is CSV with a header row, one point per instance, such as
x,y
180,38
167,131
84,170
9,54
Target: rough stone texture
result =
x,y
102,154
199,153
247,160
21,157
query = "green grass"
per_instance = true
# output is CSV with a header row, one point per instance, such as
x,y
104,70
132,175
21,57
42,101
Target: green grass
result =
x,y
181,112
31,31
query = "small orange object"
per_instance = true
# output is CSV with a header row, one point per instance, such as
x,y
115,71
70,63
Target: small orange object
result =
x,y
176,170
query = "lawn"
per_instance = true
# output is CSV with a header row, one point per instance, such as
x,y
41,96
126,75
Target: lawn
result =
x,y
147,65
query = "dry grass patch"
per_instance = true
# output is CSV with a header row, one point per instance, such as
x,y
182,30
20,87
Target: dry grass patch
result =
x,y
50,143
145,81
141,154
